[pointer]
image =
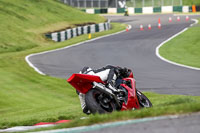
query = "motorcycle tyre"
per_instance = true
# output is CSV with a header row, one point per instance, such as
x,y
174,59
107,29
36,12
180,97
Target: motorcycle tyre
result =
x,y
93,105
141,95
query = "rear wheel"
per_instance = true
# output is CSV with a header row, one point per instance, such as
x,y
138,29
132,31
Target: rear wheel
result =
x,y
98,102
143,100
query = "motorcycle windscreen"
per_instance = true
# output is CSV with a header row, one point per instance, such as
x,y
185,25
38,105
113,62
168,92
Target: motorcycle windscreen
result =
x,y
83,82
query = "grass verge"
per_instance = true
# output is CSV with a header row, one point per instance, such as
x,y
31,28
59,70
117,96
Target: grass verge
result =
x,y
184,49
26,97
162,105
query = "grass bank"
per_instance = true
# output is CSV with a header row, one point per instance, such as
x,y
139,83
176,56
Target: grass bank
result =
x,y
184,49
162,105
25,96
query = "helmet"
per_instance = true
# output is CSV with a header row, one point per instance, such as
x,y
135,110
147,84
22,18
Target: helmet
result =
x,y
124,72
130,74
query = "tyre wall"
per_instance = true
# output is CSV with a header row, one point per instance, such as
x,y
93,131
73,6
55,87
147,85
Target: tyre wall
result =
x,y
71,33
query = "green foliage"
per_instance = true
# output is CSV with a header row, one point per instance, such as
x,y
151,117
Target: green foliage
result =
x,y
191,2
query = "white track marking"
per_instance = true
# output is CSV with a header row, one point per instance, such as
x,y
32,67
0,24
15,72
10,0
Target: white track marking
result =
x,y
186,14
107,125
171,62
73,45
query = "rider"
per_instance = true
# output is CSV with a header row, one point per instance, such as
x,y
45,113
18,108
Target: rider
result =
x,y
108,74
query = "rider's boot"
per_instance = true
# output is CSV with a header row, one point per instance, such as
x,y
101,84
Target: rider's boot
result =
x,y
83,104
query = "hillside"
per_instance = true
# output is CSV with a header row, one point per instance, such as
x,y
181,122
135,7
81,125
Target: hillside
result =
x,y
23,20
25,96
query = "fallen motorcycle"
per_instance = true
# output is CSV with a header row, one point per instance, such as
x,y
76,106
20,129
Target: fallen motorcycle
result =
x,y
100,99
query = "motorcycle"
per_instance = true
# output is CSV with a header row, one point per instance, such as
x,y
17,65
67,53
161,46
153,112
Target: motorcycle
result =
x,y
101,99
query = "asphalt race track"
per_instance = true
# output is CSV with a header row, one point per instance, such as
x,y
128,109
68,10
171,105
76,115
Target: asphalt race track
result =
x,y
134,49
183,124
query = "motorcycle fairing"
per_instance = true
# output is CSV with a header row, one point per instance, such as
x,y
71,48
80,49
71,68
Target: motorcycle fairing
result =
x,y
131,96
83,82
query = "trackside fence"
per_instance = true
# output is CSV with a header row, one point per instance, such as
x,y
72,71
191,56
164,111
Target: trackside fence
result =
x,y
77,31
133,6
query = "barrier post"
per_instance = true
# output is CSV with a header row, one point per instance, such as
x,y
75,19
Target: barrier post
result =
x,y
193,8
89,36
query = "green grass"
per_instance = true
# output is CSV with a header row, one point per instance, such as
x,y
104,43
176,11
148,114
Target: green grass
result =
x,y
25,96
162,105
24,21
184,49
191,2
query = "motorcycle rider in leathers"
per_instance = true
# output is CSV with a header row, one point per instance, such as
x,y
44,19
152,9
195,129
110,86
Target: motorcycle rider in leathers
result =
x,y
108,74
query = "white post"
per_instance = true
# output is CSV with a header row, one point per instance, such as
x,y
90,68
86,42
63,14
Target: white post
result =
x,y
116,3
142,3
172,2
132,2
181,2
71,3
78,3
92,4
152,3
162,3
99,4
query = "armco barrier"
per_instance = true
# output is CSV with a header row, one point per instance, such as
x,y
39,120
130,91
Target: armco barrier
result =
x,y
131,10
146,10
90,11
103,11
120,10
157,9
138,10
112,10
197,8
70,33
97,11
185,9
167,9
177,9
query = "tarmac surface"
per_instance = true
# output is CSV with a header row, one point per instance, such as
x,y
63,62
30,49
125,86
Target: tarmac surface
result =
x,y
134,49
182,124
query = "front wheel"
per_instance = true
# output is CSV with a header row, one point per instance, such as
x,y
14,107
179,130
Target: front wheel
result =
x,y
98,102
143,100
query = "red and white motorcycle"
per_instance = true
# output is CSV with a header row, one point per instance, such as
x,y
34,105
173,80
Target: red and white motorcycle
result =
x,y
100,99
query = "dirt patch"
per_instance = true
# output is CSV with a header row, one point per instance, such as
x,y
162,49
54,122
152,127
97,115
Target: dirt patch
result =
x,y
84,24
70,27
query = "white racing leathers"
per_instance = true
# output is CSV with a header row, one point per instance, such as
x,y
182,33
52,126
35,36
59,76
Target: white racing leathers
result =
x,y
107,74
